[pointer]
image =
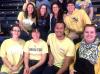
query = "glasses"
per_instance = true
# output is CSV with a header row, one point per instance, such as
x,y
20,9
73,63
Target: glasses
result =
x,y
16,30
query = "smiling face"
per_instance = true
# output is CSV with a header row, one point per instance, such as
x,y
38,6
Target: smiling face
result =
x,y
55,9
43,10
30,9
70,7
59,29
89,34
15,32
36,34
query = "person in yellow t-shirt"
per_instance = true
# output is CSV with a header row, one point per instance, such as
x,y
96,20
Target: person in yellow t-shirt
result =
x,y
75,21
11,52
27,19
62,51
87,53
35,53
86,5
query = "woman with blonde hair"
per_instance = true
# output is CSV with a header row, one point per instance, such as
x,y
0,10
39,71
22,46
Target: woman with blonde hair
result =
x,y
87,59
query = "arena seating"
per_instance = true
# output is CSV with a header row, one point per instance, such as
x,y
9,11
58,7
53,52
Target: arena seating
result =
x,y
9,10
96,5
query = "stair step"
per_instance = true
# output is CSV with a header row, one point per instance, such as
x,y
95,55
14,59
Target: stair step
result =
x,y
11,1
10,7
11,4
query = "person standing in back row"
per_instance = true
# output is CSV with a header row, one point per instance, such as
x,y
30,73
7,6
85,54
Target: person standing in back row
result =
x,y
27,20
43,21
56,15
75,21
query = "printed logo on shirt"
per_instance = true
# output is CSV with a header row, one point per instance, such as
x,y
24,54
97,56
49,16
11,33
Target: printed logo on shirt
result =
x,y
75,19
35,49
61,50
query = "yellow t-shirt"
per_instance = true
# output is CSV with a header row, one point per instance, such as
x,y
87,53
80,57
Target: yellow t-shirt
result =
x,y
27,22
13,51
60,48
36,49
76,21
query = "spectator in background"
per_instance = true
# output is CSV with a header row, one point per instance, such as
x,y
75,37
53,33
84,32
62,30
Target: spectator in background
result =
x,y
88,53
43,21
86,5
11,52
62,4
61,53
56,15
35,53
75,21
27,19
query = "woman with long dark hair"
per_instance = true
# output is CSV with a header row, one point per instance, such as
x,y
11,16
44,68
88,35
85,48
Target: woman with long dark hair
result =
x,y
26,19
56,15
43,21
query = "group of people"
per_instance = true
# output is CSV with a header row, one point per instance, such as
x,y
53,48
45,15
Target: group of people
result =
x,y
56,43
58,56
75,19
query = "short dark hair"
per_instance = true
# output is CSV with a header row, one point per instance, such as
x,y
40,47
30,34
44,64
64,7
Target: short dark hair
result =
x,y
62,23
70,2
35,28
